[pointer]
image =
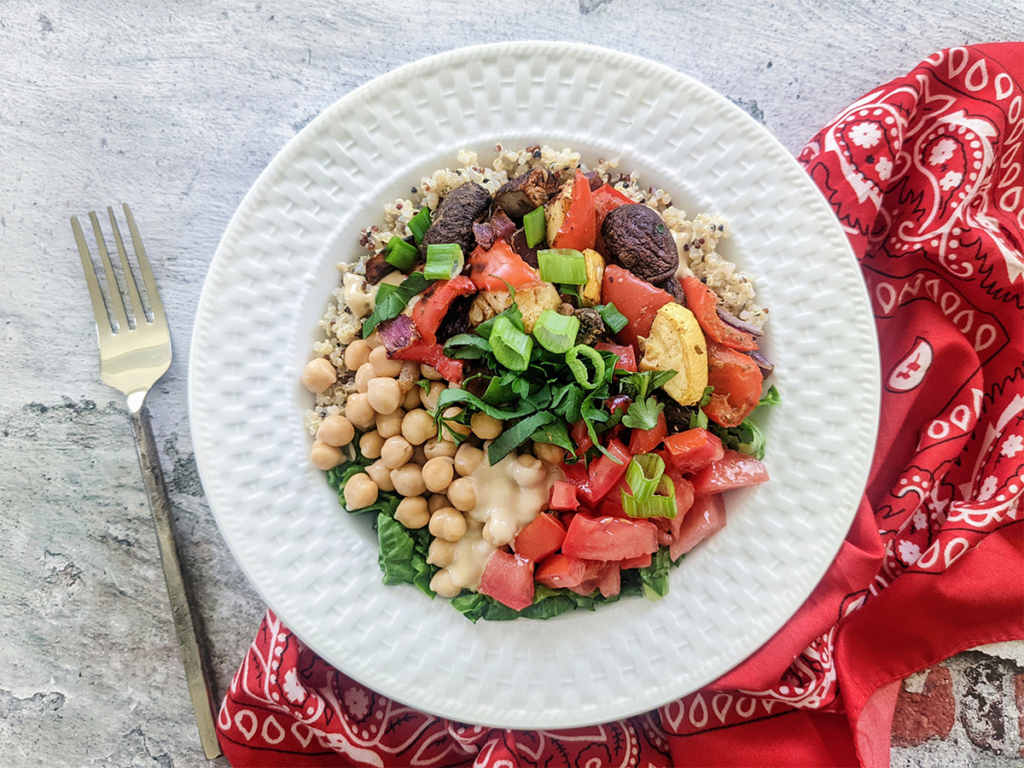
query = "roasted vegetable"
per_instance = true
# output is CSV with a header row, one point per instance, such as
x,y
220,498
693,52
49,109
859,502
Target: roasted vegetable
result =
x,y
570,216
676,343
590,292
454,218
637,238
526,192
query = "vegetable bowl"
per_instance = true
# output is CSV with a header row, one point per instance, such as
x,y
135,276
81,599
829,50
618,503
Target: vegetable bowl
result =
x,y
275,273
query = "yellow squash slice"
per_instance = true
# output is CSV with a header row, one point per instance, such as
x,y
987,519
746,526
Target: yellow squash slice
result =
x,y
676,343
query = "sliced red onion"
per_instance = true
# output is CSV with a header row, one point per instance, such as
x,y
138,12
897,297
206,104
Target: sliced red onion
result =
x,y
518,243
504,227
762,363
595,180
485,235
738,324
397,333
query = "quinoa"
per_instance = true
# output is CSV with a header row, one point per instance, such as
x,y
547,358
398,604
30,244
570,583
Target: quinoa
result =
x,y
695,238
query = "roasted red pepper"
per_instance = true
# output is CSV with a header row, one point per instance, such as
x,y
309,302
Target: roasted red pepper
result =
x,y
433,304
490,270
579,229
627,357
635,298
431,354
703,302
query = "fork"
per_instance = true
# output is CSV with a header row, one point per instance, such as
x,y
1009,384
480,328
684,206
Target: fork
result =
x,y
133,357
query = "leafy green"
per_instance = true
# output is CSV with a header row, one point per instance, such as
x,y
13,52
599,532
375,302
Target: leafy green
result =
x,y
643,414
554,433
644,383
514,436
654,578
467,346
547,603
746,438
403,554
698,419
393,303
771,397
705,398
512,313
450,397
424,384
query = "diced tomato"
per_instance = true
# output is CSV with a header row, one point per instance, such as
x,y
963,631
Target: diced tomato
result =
x,y
606,199
421,352
618,403
563,496
635,562
579,229
541,538
434,302
612,504
706,516
627,357
578,476
733,470
609,538
610,580
581,437
703,302
646,440
692,450
635,298
489,270
737,382
561,571
508,579
605,474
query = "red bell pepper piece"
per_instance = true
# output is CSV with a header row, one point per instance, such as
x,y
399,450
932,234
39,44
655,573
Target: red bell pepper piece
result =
x,y
431,354
627,357
703,302
635,298
606,199
540,539
579,229
434,302
692,450
737,382
490,270
646,440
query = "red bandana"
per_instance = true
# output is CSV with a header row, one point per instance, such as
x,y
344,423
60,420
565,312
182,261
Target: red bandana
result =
x,y
925,175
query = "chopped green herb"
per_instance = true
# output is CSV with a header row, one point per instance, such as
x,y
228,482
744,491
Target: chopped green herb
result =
x,y
395,301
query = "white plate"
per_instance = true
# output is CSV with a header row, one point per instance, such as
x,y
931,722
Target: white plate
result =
x,y
271,279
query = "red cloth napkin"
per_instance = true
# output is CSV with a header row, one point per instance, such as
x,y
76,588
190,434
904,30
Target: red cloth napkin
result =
x,y
925,175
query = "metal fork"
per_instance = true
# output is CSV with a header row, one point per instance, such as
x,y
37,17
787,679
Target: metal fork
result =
x,y
133,357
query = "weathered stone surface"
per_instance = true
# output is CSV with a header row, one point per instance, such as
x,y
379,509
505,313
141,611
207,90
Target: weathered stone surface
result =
x,y
927,714
981,706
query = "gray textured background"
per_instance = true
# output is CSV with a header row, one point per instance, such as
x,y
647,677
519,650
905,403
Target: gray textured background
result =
x,y
176,109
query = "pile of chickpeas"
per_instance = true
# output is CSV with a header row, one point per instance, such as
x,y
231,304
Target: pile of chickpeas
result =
x,y
395,415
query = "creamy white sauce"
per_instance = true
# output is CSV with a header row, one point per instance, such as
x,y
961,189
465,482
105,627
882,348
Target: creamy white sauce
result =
x,y
358,295
509,496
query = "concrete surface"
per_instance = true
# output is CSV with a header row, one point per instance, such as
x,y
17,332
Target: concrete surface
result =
x,y
176,109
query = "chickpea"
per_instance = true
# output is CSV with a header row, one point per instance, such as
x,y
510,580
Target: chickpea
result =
x,y
437,501
441,553
485,427
418,426
408,480
430,372
442,584
336,430
498,532
318,375
356,354
395,453
419,456
438,474
384,395
448,523
548,452
359,411
461,494
374,338
381,475
360,491
434,448
528,472
412,512
363,376
429,399
370,445
391,424
452,426
467,459
384,365
411,399
325,456
409,375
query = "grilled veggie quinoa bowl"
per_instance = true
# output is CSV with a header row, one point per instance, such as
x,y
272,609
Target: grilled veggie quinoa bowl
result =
x,y
538,378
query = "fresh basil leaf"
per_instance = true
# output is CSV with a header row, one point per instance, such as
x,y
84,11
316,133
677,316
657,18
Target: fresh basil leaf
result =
x,y
771,397
554,433
450,397
467,346
512,313
395,301
516,435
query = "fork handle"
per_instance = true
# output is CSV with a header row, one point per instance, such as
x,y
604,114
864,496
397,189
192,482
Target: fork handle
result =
x,y
197,668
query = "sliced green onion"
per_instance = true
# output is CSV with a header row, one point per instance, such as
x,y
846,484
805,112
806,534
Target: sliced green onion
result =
x,y
614,319
661,504
400,254
444,261
574,359
644,474
534,226
562,265
555,332
419,224
511,346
